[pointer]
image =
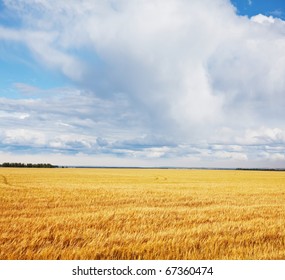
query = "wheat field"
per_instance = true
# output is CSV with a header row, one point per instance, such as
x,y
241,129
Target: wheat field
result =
x,y
160,214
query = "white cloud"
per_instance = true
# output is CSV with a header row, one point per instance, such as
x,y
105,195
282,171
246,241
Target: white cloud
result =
x,y
189,72
230,155
273,156
262,136
41,44
23,137
262,19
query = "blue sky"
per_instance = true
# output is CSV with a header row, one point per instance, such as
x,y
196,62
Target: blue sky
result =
x,y
275,8
161,83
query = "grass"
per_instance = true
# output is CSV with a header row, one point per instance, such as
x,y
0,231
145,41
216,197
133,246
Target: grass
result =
x,y
141,214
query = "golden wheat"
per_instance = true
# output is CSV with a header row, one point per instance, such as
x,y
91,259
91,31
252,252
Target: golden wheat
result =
x,y
141,214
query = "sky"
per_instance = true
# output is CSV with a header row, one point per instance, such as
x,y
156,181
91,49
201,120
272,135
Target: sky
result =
x,y
150,83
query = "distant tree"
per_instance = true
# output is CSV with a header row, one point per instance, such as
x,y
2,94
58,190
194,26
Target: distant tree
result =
x,y
28,165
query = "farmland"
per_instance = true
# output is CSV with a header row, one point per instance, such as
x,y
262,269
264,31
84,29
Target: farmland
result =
x,y
141,214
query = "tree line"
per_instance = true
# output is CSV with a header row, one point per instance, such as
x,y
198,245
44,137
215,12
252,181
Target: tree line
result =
x,y
28,165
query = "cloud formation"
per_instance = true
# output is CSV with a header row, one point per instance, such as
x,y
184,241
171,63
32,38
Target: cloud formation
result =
x,y
170,80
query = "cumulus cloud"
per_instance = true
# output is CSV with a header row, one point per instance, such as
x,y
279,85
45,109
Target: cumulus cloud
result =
x,y
262,19
155,79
